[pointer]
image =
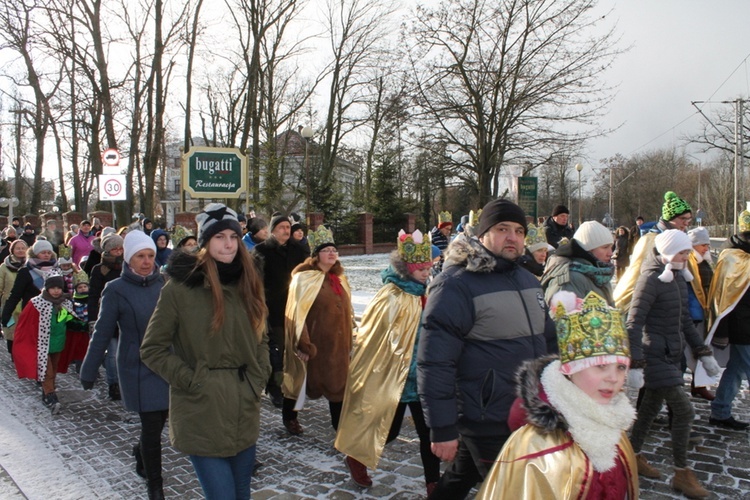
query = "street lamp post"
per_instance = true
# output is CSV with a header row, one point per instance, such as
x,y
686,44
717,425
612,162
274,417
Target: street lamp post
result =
x,y
307,133
579,167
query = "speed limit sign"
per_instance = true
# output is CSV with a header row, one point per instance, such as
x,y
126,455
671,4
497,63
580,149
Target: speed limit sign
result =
x,y
112,188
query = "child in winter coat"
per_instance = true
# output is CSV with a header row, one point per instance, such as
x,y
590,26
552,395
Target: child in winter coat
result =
x,y
571,413
77,335
659,327
40,337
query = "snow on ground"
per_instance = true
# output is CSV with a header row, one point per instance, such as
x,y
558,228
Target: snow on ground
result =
x,y
363,273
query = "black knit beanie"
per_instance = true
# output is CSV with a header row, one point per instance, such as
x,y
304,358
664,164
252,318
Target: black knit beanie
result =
x,y
500,210
560,209
215,218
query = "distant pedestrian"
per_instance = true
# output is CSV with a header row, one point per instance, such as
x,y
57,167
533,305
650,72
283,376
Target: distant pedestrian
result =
x,y
621,253
161,240
699,265
556,226
207,339
81,243
8,272
537,251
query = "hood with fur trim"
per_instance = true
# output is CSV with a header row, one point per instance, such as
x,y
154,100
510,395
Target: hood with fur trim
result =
x,y
182,268
468,252
552,401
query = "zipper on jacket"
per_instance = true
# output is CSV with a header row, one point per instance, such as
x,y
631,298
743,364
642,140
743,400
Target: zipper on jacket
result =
x,y
528,316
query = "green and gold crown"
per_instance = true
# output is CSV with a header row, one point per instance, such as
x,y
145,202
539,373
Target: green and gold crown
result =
x,y
744,221
445,217
180,233
474,217
64,252
414,248
588,333
80,277
321,236
535,238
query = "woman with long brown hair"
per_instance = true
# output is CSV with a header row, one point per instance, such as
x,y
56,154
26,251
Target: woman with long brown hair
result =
x,y
207,339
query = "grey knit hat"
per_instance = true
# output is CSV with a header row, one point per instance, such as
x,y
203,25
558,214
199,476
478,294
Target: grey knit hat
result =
x,y
215,218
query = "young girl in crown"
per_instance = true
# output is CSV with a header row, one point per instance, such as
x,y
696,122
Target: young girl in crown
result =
x,y
571,414
383,372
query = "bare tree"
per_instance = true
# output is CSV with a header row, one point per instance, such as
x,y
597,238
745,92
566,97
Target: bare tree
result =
x,y
509,80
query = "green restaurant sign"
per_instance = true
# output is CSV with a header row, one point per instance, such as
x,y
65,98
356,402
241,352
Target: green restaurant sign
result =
x,y
527,195
214,172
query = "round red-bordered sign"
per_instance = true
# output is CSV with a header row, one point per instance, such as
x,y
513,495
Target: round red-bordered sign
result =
x,y
111,157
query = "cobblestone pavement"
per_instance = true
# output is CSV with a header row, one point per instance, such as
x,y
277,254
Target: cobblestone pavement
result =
x,y
85,452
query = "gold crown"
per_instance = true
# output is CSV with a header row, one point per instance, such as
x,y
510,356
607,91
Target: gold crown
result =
x,y
535,236
595,330
744,221
320,236
414,248
474,217
80,277
445,217
64,252
179,233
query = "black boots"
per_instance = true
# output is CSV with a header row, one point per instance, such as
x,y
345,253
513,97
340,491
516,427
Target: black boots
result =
x,y
138,461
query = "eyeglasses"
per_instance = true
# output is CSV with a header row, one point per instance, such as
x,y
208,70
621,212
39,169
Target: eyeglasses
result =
x,y
329,250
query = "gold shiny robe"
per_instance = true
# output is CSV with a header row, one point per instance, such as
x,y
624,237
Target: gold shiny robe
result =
x,y
730,282
623,293
303,290
377,373
541,477
697,283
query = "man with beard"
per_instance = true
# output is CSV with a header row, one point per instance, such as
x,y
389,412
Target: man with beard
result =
x,y
278,256
107,270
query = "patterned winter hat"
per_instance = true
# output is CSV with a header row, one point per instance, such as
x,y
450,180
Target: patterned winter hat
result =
x,y
80,278
179,233
589,332
535,238
215,218
674,206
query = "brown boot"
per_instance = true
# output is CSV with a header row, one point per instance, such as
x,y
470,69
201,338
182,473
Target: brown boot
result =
x,y
686,483
358,471
645,468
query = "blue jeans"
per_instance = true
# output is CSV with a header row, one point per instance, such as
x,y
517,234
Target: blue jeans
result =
x,y
110,362
731,379
224,478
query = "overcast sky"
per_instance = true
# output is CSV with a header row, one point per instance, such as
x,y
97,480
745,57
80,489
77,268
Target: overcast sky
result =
x,y
682,51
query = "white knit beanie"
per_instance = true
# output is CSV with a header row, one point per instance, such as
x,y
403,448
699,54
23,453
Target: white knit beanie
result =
x,y
593,235
668,244
134,242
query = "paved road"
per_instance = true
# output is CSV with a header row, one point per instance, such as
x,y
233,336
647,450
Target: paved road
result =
x,y
85,452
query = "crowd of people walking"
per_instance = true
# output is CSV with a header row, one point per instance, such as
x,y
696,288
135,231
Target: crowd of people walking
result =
x,y
509,344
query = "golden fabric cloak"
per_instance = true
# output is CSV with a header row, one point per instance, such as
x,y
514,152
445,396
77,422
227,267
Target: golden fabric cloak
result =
x,y
377,373
541,476
303,290
730,282
623,293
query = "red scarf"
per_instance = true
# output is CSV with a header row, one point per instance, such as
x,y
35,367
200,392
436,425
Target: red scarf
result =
x,y
335,284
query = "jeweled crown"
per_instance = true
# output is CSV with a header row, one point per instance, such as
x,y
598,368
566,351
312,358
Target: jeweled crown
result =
x,y
474,217
594,330
179,233
414,248
534,236
445,217
320,236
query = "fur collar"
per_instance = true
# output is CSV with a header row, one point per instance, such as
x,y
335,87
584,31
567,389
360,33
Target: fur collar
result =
x,y
471,254
594,427
182,268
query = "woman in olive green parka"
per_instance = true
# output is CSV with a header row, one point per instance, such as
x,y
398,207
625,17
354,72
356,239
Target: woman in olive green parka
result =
x,y
207,339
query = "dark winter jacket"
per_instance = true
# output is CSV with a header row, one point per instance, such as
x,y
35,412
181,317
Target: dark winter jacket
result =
x,y
555,232
621,251
216,379
101,274
127,304
24,289
659,325
277,263
528,262
162,254
484,316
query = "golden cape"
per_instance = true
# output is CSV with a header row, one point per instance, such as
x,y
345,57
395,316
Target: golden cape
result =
x,y
623,293
303,290
377,373
540,475
730,282
697,283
